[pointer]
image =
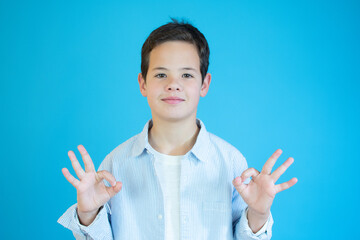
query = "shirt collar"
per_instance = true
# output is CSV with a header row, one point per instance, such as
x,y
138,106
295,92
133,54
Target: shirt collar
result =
x,y
200,149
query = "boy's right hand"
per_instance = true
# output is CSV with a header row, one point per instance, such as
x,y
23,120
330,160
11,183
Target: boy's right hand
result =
x,y
92,193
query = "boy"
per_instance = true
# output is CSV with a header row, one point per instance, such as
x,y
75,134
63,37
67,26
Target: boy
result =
x,y
177,180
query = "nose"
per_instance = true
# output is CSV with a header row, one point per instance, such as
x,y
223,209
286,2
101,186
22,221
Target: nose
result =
x,y
173,85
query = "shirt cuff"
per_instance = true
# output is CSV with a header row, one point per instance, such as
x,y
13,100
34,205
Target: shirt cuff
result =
x,y
245,231
100,228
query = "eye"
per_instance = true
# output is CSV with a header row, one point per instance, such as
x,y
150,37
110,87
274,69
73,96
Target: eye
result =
x,y
160,75
186,75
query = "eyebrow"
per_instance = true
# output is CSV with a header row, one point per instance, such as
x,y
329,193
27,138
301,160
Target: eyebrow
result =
x,y
184,68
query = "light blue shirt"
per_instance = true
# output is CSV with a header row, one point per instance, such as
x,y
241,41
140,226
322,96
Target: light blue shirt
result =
x,y
210,206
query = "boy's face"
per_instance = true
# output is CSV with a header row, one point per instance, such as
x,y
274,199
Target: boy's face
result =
x,y
173,85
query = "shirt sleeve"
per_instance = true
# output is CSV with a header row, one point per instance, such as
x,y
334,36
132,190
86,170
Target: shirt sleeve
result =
x,y
243,231
100,228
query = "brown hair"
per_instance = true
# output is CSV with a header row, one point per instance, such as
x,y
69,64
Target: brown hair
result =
x,y
176,31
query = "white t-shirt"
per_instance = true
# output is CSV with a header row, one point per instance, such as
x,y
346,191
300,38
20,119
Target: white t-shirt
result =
x,y
168,170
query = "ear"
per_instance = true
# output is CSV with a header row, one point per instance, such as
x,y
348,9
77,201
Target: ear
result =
x,y
205,86
142,85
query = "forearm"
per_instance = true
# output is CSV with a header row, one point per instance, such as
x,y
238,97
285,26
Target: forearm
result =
x,y
256,220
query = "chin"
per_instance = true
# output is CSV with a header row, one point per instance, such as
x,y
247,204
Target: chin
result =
x,y
173,117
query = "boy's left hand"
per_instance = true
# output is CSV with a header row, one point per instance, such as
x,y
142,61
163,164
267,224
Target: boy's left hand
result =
x,y
260,192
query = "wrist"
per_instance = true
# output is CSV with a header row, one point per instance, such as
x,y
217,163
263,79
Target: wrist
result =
x,y
86,218
259,215
257,220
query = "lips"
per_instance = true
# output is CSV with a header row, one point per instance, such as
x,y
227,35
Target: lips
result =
x,y
173,100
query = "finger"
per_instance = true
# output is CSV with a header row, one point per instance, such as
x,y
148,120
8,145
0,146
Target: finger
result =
x,y
70,178
114,189
285,185
115,186
89,166
280,170
271,162
250,172
107,176
76,165
239,185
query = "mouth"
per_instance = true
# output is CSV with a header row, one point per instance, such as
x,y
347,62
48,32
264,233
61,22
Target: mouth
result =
x,y
173,100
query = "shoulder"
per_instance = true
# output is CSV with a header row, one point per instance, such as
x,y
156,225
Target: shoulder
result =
x,y
126,148
122,152
223,146
229,153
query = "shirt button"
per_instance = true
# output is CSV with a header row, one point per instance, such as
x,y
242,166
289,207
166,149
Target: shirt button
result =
x,y
186,219
160,216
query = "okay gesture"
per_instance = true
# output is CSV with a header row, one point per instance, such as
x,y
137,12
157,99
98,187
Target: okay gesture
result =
x,y
260,192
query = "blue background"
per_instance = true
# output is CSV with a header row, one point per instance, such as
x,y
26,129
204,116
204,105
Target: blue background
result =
x,y
285,75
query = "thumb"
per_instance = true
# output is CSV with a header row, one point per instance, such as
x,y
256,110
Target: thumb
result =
x,y
115,185
114,189
239,185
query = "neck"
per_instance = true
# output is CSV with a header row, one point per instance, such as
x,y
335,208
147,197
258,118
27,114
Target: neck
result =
x,y
173,138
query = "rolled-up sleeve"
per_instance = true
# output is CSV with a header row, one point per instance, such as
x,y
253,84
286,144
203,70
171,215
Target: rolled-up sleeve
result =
x,y
243,231
100,228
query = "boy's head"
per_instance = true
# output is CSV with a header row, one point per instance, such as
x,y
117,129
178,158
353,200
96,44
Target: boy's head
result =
x,y
176,31
174,76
